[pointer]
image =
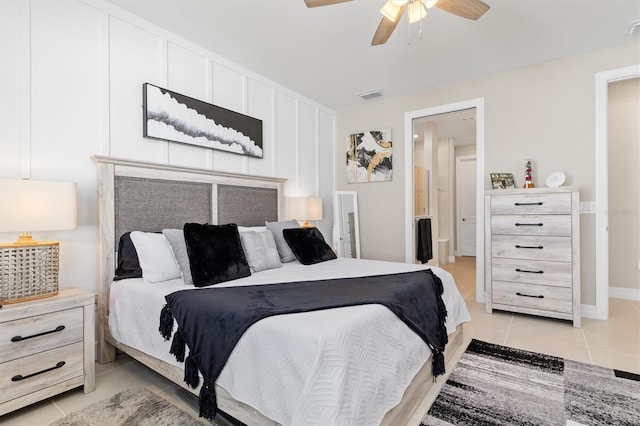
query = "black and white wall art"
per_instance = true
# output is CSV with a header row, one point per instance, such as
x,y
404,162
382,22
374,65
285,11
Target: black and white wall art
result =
x,y
369,156
173,117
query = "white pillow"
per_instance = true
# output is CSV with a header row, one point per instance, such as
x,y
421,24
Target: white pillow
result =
x,y
155,256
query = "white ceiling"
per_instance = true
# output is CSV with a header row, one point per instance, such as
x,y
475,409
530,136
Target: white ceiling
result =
x,y
325,54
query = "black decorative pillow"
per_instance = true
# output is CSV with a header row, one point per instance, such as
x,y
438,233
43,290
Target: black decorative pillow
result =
x,y
215,253
128,263
308,245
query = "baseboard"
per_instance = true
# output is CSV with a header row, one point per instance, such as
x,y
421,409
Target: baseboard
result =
x,y
452,259
624,293
588,311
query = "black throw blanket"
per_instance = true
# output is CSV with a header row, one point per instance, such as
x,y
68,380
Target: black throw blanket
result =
x,y
212,320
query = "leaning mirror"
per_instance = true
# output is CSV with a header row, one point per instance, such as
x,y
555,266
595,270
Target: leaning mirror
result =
x,y
346,227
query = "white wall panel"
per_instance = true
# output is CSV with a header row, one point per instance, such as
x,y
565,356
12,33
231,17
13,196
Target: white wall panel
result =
x,y
188,74
286,140
136,56
65,89
229,93
260,105
307,150
66,119
71,78
10,73
326,165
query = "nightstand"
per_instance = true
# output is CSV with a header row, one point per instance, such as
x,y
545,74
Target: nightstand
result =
x,y
46,347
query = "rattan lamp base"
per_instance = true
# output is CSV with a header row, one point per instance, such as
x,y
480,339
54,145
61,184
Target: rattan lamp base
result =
x,y
28,271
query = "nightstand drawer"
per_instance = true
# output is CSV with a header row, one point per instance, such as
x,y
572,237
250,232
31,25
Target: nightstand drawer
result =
x,y
555,299
534,248
39,333
558,225
532,204
29,374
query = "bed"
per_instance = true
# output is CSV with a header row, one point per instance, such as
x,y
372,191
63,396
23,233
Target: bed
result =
x,y
351,365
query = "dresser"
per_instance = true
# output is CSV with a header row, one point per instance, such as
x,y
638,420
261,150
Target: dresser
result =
x,y
46,347
532,246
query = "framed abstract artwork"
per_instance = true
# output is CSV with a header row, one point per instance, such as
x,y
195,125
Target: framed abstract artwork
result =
x,y
369,156
173,117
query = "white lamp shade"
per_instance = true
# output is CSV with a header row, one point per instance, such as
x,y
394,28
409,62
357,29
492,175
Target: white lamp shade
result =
x,y
304,208
31,205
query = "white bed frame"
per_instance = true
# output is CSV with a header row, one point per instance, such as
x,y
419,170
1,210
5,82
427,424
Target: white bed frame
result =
x,y
107,169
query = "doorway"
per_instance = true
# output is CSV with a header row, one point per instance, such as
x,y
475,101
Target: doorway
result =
x,y
465,205
602,185
477,192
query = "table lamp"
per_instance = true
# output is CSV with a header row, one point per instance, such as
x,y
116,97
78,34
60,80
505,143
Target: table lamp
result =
x,y
304,209
29,269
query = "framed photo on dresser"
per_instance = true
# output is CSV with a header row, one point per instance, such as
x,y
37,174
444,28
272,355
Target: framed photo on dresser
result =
x,y
502,181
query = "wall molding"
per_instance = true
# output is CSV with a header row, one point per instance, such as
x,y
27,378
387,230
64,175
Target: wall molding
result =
x,y
624,293
602,80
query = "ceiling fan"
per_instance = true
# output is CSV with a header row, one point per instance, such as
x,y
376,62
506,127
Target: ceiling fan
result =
x,y
393,10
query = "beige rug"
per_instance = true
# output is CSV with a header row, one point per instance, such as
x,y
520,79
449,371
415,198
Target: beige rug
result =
x,y
131,407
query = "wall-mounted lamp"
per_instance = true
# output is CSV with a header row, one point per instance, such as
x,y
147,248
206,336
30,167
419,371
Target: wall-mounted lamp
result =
x,y
29,269
304,209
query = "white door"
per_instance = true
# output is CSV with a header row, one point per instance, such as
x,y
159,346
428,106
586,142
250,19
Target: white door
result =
x,y
466,205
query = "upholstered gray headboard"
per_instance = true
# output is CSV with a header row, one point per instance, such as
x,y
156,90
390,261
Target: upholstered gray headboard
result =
x,y
143,204
152,205
247,206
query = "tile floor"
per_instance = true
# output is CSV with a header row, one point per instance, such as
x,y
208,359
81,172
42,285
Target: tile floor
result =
x,y
613,343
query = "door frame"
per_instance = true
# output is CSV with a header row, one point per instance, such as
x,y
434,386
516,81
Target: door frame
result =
x,y
602,183
409,244
458,213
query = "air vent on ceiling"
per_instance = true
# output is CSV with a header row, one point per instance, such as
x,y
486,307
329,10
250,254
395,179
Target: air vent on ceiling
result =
x,y
369,94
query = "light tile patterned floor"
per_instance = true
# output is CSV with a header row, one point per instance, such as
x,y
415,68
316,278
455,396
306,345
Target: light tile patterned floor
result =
x,y
613,343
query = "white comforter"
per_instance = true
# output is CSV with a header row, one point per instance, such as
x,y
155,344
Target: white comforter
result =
x,y
342,366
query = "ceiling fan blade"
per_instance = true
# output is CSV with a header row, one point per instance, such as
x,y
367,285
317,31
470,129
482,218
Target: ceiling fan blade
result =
x,y
385,29
316,3
470,9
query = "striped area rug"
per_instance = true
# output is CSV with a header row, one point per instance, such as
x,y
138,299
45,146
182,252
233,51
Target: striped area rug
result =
x,y
498,385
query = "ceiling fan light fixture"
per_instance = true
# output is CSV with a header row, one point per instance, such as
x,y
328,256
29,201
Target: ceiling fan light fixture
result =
x,y
417,11
429,3
392,10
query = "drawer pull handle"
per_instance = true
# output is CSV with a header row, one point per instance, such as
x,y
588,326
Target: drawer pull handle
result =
x,y
528,295
20,338
539,203
21,377
529,224
530,272
531,247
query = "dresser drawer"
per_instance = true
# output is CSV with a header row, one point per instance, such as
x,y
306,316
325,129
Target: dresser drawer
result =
x,y
559,225
554,299
529,247
30,335
37,366
542,272
531,204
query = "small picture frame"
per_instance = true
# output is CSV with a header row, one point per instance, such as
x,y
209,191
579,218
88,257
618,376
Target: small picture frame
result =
x,y
502,181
